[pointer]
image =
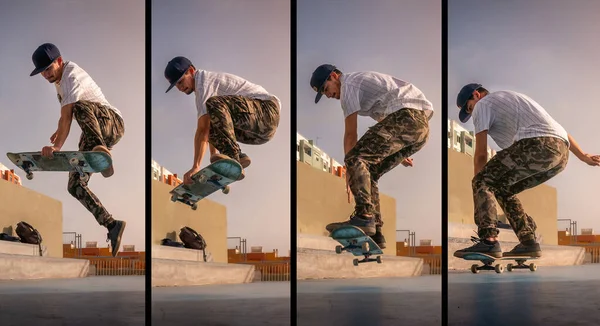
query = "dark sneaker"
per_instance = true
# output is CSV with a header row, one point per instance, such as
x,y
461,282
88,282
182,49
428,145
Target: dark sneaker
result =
x,y
529,250
367,225
378,237
245,160
481,246
110,171
114,236
220,156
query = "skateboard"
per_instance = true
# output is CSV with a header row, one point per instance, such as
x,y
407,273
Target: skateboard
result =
x,y
217,176
488,260
67,161
357,242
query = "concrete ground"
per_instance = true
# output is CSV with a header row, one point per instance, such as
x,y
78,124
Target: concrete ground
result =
x,y
375,301
101,300
261,303
557,295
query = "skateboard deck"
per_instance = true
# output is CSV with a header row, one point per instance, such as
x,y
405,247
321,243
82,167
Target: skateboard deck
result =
x,y
67,161
488,260
212,178
357,242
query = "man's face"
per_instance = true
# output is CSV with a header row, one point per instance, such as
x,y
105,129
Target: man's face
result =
x,y
186,83
472,101
53,73
331,88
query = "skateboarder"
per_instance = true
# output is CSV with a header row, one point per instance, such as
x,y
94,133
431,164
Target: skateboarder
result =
x,y
101,127
230,110
535,148
403,115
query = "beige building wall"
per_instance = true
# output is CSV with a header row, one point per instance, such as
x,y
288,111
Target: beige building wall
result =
x,y
322,199
210,220
18,203
539,202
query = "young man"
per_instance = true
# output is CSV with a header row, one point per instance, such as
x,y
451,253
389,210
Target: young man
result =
x,y
535,148
101,127
403,115
230,110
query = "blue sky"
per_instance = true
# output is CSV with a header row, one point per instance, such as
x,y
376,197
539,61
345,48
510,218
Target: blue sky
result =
x,y
107,40
546,50
399,38
250,39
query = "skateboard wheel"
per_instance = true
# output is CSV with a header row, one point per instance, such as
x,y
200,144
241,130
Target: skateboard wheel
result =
x,y
84,178
365,247
509,267
29,176
202,179
474,269
18,162
378,259
338,249
499,268
74,161
173,198
355,262
226,190
532,267
195,206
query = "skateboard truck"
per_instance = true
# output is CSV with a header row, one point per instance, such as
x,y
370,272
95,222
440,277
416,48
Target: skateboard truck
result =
x,y
77,165
521,265
25,168
365,251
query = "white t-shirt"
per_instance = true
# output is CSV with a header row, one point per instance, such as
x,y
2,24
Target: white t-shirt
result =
x,y
76,85
209,84
377,95
510,116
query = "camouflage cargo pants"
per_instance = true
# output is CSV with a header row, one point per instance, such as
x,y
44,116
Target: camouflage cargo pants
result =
x,y
99,126
384,146
236,119
526,164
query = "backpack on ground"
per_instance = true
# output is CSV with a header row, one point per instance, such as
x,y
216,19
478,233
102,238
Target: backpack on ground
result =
x,y
29,234
193,240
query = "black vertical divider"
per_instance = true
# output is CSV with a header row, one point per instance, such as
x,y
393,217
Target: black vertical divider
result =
x,y
148,163
444,165
293,212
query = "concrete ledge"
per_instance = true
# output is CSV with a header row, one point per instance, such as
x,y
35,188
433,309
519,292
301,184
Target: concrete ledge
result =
x,y
551,255
322,264
174,253
466,231
18,248
22,267
318,242
169,272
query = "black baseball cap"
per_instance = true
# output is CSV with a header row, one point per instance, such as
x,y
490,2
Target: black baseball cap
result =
x,y
43,57
461,100
175,70
319,77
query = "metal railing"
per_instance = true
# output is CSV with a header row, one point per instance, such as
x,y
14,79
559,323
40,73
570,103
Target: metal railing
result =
x,y
271,271
434,262
116,266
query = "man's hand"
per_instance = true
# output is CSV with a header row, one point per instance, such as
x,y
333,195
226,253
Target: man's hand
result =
x,y
187,177
48,151
407,162
53,137
593,160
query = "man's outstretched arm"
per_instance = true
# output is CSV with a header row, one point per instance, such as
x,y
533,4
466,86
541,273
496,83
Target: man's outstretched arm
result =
x,y
64,126
201,139
350,132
